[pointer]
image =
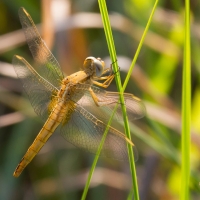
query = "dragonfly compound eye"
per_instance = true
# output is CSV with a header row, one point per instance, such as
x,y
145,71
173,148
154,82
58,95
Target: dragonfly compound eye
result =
x,y
99,66
88,62
95,64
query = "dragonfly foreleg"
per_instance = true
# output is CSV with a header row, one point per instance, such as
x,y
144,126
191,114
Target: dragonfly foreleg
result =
x,y
108,70
106,83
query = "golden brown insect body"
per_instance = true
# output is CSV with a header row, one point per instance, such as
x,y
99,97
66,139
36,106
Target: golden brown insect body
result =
x,y
62,110
73,103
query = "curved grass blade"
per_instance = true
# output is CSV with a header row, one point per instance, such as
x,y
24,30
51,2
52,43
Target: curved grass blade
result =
x,y
112,51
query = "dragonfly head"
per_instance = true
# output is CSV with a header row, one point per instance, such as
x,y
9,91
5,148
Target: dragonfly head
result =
x,y
94,66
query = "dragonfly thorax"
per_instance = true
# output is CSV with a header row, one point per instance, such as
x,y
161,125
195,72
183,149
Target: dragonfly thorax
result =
x,y
93,66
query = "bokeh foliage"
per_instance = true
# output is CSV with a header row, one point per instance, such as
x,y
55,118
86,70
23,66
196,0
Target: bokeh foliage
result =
x,y
59,171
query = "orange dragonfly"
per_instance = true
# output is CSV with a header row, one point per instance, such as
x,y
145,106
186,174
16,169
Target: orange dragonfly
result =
x,y
71,104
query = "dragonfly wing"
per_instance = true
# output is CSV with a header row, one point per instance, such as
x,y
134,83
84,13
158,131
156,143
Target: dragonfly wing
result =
x,y
39,91
84,130
107,102
47,65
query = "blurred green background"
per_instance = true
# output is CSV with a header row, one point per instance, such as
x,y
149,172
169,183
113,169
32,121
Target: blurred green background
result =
x,y
73,31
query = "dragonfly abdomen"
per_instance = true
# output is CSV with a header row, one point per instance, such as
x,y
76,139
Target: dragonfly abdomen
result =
x,y
47,130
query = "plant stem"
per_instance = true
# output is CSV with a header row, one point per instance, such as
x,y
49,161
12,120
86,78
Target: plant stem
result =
x,y
186,109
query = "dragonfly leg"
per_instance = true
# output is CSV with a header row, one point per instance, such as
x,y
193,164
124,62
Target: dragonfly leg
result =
x,y
106,83
102,78
108,70
94,97
108,79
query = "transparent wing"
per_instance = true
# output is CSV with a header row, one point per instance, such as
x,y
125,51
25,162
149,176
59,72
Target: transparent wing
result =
x,y
84,130
39,91
107,102
47,65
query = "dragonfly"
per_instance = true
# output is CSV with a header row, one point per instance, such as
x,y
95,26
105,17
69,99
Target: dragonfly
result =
x,y
72,104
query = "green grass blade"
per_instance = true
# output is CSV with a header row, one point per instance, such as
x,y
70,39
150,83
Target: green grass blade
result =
x,y
97,157
112,51
140,46
186,109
